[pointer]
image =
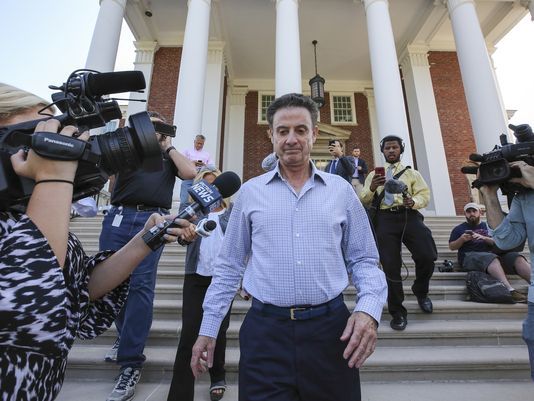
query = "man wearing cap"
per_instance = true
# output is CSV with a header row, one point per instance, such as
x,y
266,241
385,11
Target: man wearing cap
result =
x,y
476,252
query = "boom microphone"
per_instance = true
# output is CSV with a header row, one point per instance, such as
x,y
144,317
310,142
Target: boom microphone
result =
x,y
475,157
115,82
204,197
394,186
469,169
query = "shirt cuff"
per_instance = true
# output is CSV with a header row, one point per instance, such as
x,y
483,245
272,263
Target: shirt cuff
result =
x,y
372,306
210,326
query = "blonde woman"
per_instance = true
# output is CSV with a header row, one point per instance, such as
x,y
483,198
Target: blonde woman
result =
x,y
200,256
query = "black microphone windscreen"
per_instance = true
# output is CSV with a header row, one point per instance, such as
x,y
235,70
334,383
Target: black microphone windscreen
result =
x,y
227,183
115,82
475,157
394,186
469,169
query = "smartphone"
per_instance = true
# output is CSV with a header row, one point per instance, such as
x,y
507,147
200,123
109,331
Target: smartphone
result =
x,y
470,232
380,171
332,142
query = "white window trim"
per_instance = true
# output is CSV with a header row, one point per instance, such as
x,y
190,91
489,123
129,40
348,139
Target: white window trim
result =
x,y
352,106
260,95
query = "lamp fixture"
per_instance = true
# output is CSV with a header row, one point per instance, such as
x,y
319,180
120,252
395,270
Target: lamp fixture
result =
x,y
317,82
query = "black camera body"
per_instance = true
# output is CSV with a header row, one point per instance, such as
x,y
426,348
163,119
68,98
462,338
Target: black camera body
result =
x,y
494,167
82,104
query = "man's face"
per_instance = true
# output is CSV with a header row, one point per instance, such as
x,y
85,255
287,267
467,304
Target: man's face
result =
x,y
472,216
356,152
392,151
293,136
199,143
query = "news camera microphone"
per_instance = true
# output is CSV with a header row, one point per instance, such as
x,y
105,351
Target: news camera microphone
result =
x,y
469,169
204,228
105,83
394,186
475,157
205,196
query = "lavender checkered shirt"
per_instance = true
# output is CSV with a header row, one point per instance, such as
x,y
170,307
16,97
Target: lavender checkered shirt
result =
x,y
296,249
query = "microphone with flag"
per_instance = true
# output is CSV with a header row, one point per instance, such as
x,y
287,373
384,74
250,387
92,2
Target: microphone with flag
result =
x,y
205,198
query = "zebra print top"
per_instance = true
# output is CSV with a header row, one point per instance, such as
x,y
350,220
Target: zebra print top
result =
x,y
43,308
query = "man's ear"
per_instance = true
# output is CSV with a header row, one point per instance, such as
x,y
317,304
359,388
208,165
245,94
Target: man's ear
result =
x,y
270,135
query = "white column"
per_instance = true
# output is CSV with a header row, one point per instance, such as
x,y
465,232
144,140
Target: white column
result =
x,y
213,100
234,141
105,42
288,72
426,130
487,114
390,108
191,81
373,121
144,62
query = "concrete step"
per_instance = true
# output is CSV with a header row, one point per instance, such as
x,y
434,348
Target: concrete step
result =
x,y
371,391
418,333
386,364
443,309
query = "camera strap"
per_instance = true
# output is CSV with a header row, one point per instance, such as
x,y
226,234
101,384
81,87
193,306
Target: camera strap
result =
x,y
58,147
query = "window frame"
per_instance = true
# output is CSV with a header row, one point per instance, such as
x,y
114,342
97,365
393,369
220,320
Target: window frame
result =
x,y
350,95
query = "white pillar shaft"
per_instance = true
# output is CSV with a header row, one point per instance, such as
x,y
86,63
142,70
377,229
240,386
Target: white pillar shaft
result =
x,y
144,62
191,81
234,144
105,42
213,102
373,121
288,71
387,86
426,132
481,91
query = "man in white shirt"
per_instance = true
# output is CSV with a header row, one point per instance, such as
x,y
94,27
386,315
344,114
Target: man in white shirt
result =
x,y
200,157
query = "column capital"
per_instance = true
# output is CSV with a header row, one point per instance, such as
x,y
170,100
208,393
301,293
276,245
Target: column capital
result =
x,y
369,93
367,3
215,52
279,1
453,4
238,95
121,3
416,55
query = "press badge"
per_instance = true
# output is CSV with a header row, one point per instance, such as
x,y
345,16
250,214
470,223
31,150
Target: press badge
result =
x,y
117,220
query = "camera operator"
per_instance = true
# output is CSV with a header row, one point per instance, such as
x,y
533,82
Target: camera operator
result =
x,y
511,230
51,290
136,195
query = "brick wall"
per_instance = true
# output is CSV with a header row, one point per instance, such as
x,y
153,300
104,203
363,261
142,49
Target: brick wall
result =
x,y
164,83
454,121
258,145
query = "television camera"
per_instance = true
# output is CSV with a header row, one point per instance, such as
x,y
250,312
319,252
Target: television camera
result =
x,y
494,167
82,100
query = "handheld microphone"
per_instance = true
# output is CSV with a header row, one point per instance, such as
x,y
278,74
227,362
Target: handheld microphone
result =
x,y
394,186
204,228
99,84
205,197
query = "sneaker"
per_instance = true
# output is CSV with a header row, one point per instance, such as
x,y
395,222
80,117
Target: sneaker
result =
x,y
518,297
111,355
125,388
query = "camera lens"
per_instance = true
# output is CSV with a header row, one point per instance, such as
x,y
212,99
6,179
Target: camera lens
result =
x,y
130,147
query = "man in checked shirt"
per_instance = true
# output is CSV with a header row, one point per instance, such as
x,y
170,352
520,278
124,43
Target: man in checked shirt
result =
x,y
295,235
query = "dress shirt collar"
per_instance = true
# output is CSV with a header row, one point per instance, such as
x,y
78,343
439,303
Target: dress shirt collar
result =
x,y
315,173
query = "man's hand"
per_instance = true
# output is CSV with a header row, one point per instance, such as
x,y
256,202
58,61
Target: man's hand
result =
x,y
202,356
408,202
172,233
164,141
377,181
466,237
361,335
527,172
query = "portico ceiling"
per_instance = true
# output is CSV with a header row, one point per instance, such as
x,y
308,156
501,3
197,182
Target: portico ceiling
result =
x,y
247,28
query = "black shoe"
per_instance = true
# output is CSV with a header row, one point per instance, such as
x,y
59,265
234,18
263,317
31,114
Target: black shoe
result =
x,y
398,322
425,304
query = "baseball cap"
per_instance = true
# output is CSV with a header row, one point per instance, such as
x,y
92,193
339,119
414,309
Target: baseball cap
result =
x,y
471,205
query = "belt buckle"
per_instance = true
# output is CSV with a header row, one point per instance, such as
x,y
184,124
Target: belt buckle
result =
x,y
292,312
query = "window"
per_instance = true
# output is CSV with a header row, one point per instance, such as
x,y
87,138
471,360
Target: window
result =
x,y
342,109
264,100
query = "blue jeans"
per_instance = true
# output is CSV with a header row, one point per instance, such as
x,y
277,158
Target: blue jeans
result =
x,y
184,195
528,336
135,318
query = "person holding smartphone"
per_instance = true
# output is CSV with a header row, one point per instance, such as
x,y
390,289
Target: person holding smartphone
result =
x,y
340,165
398,222
477,252
200,158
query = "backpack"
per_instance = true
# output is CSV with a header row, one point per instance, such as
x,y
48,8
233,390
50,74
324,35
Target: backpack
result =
x,y
481,287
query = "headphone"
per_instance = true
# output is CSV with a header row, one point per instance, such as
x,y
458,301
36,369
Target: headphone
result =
x,y
391,138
